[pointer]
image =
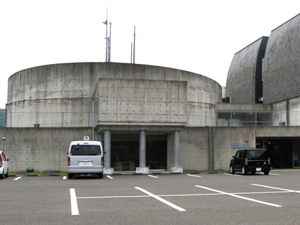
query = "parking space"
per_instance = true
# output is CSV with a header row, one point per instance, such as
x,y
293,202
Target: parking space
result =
x,y
168,199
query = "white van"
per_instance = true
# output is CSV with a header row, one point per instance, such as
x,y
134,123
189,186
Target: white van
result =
x,y
3,165
85,157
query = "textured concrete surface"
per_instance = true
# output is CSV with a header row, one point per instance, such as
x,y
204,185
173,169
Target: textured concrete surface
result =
x,y
70,95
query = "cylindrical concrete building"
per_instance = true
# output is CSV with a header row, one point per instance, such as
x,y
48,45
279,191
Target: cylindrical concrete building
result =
x,y
126,101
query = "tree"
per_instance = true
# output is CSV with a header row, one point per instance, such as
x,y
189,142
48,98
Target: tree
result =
x,y
2,117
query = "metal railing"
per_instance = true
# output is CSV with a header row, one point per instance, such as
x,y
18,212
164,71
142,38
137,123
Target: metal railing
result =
x,y
258,118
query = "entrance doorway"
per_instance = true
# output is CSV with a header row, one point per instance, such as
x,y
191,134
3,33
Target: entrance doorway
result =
x,y
284,152
125,151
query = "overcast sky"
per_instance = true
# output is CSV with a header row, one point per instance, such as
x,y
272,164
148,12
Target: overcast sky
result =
x,y
200,36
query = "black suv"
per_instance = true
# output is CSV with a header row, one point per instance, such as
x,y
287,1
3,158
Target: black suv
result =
x,y
250,160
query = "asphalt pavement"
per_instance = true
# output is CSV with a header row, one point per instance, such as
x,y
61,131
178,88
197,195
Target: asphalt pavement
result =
x,y
152,199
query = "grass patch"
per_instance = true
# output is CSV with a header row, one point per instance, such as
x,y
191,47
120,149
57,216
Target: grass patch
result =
x,y
63,174
35,174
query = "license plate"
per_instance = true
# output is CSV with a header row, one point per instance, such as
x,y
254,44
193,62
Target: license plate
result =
x,y
85,163
258,169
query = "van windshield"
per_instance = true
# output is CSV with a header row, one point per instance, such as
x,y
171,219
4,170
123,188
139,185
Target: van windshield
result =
x,y
85,150
257,154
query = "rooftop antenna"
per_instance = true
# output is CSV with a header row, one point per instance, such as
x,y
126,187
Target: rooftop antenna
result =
x,y
134,47
109,44
106,38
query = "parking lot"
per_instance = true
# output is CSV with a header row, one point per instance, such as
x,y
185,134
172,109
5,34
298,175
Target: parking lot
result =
x,y
153,199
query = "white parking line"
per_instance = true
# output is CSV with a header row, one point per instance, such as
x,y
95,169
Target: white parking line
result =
x,y
152,176
161,199
276,188
274,174
229,174
64,177
191,175
18,178
183,195
106,197
109,177
74,205
237,196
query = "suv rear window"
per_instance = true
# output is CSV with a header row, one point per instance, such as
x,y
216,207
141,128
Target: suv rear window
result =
x,y
257,154
85,150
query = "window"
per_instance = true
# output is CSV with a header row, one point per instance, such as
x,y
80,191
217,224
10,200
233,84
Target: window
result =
x,y
85,150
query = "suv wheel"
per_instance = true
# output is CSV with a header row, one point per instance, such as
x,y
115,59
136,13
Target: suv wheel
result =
x,y
2,175
6,175
231,170
266,172
244,171
100,175
70,176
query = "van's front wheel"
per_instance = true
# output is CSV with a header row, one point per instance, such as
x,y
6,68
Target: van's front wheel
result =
x,y
100,175
70,176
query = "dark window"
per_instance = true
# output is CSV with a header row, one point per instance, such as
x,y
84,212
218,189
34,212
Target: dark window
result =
x,y
257,154
85,150
243,153
3,157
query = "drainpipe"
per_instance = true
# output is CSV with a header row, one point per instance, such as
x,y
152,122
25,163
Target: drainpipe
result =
x,y
211,137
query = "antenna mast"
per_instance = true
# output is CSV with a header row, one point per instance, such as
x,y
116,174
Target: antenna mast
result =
x,y
109,44
107,39
134,46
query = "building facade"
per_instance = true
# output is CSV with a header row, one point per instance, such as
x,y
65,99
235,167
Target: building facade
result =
x,y
155,118
135,110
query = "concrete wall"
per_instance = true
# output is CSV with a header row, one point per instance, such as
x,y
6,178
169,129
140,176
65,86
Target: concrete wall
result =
x,y
281,70
51,113
142,102
224,138
194,149
43,149
67,90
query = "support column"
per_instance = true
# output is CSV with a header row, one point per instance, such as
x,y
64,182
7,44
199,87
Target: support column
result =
x,y
176,153
211,148
142,166
107,154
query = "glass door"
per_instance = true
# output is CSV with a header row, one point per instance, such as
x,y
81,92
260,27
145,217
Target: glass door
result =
x,y
296,153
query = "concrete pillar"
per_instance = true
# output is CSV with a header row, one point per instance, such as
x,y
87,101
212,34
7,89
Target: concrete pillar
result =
x,y
142,166
176,153
107,154
211,138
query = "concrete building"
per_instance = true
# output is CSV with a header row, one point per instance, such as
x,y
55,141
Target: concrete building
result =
x,y
130,107
268,72
155,118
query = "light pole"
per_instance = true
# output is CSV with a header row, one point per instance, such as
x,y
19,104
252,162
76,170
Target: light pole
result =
x,y
3,141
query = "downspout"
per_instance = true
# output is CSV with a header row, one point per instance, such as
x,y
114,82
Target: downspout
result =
x,y
211,149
